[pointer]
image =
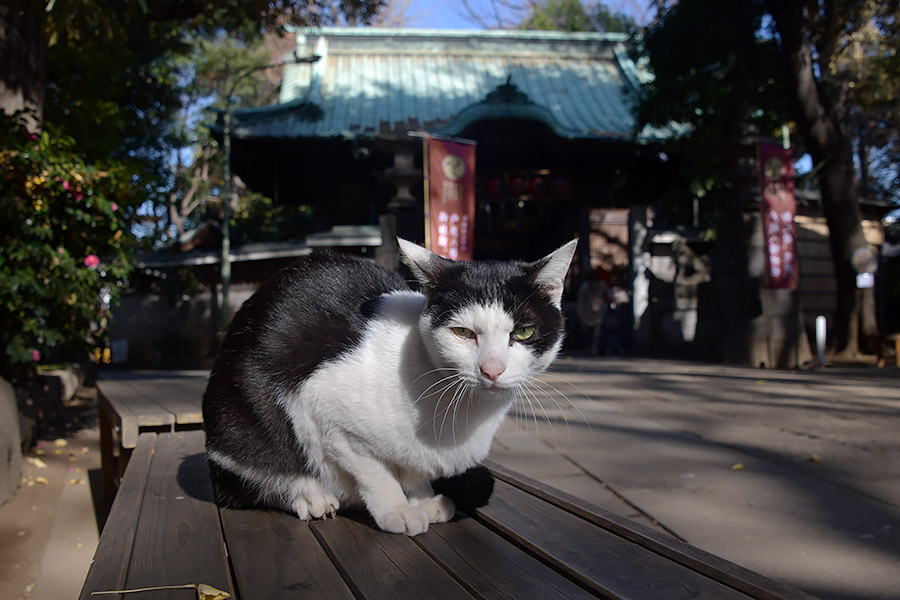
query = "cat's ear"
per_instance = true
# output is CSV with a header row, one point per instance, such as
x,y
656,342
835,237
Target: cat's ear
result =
x,y
425,264
550,272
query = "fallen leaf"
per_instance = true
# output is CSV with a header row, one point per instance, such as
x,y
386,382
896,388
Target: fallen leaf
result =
x,y
42,480
814,458
36,462
75,481
761,382
737,467
208,592
60,443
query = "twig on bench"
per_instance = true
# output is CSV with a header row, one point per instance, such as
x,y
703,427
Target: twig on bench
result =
x,y
204,592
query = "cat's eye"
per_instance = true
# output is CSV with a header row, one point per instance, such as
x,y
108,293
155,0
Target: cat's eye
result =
x,y
463,333
523,333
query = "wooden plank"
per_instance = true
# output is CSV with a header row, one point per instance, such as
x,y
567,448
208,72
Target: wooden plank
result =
x,y
275,555
492,568
603,562
129,409
110,564
183,398
145,401
115,413
179,538
745,580
383,566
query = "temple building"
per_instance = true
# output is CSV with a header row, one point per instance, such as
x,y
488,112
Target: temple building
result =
x,y
550,112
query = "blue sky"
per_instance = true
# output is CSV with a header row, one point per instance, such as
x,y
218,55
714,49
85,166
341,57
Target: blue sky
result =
x,y
441,14
437,14
452,14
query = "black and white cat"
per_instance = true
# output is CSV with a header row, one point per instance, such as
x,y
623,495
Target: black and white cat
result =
x,y
338,386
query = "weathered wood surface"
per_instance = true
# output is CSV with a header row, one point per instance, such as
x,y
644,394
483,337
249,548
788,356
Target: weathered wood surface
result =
x,y
531,541
132,402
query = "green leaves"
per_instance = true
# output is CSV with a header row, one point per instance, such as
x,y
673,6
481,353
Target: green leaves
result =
x,y
64,246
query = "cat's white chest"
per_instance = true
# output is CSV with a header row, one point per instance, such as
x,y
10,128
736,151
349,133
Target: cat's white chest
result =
x,y
389,400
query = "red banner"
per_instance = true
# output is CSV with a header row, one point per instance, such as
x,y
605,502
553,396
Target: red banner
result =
x,y
450,198
779,206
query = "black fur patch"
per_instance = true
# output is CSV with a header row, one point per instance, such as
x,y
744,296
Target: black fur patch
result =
x,y
469,490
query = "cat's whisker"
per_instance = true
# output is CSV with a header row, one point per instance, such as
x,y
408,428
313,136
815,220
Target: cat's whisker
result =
x,y
528,390
453,378
455,402
580,391
528,404
537,386
456,385
569,403
431,372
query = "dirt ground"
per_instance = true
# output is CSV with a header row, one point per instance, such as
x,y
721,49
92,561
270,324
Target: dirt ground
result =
x,y
49,531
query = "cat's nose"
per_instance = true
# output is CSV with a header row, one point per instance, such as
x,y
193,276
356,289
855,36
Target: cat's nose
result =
x,y
492,368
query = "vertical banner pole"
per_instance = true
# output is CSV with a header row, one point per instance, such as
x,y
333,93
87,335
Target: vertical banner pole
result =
x,y
425,172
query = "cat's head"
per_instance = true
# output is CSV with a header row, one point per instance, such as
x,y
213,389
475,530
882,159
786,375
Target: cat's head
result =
x,y
496,323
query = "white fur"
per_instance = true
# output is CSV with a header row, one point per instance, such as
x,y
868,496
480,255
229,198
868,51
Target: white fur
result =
x,y
379,439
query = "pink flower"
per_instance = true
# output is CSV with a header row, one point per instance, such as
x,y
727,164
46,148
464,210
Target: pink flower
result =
x,y
91,261
61,251
35,355
114,207
67,185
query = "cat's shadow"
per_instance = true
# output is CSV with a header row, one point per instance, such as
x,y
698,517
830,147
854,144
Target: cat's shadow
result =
x,y
469,490
194,479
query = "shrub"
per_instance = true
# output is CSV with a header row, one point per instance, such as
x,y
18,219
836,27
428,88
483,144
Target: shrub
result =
x,y
64,242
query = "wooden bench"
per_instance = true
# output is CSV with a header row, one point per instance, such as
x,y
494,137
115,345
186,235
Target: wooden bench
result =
x,y
131,402
530,541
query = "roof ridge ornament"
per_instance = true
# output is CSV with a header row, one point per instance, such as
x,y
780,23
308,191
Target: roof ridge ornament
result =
x,y
507,93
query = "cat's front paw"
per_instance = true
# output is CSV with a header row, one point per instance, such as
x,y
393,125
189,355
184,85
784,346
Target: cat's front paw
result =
x,y
411,520
439,508
315,506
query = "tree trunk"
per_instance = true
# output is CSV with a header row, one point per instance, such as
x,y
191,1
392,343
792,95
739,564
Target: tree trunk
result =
x,y
22,60
820,125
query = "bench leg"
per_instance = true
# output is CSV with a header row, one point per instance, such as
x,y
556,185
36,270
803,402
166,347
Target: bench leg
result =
x,y
108,469
124,457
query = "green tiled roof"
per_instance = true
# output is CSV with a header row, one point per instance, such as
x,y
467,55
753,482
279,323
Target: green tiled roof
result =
x,y
381,81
